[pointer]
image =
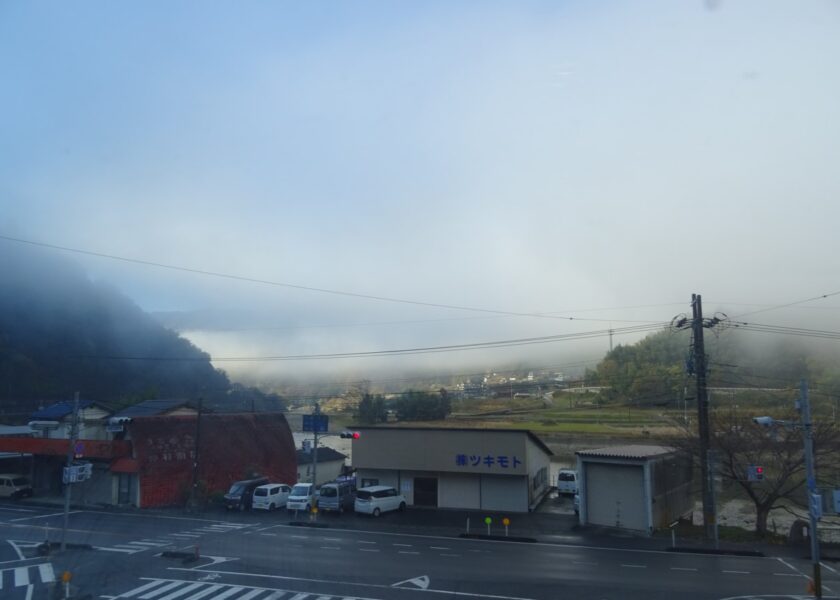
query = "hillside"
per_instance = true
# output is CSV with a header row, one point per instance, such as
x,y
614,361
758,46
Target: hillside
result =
x,y
61,332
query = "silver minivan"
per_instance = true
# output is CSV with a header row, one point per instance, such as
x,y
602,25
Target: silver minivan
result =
x,y
337,497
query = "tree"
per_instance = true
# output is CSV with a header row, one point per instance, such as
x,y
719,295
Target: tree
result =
x,y
423,406
372,409
738,443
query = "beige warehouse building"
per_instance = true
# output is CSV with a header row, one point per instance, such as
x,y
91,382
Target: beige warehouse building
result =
x,y
486,469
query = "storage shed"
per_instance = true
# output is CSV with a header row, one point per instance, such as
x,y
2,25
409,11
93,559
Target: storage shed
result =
x,y
640,488
488,469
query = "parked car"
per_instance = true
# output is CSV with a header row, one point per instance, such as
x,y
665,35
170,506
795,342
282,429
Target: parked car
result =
x,y
567,482
377,499
271,496
14,486
302,497
336,496
240,494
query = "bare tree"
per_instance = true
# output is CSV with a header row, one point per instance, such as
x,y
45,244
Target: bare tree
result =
x,y
739,443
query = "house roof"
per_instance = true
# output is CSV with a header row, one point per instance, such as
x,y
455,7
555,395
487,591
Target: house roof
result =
x,y
527,432
629,451
325,454
59,410
151,408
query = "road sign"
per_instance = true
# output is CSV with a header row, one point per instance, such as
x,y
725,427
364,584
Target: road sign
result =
x,y
79,449
319,423
816,505
77,473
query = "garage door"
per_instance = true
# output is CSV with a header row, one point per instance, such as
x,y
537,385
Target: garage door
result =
x,y
504,493
615,496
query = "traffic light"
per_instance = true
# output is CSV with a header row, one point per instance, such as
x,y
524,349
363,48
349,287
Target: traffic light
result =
x,y
353,435
759,473
755,473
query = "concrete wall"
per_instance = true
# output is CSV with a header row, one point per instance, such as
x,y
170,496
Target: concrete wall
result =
x,y
539,473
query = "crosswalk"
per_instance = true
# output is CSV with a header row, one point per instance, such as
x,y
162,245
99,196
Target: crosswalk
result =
x,y
27,575
172,539
170,589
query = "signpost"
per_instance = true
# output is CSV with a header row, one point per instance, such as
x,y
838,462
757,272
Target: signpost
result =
x,y
506,523
316,423
488,521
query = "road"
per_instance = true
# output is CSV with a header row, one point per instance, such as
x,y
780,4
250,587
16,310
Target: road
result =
x,y
260,556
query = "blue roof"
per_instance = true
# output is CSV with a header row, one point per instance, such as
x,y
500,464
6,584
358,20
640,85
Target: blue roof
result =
x,y
59,410
151,408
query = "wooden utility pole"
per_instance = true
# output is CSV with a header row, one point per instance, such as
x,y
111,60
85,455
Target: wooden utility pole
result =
x,y
707,476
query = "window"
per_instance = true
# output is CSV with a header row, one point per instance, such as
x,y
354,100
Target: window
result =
x,y
369,482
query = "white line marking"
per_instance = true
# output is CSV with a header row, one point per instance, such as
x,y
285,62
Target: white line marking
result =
x,y
142,588
365,542
21,576
635,566
182,591
106,549
347,583
251,594
234,590
332,539
407,552
452,555
45,570
160,590
61,514
269,534
29,592
584,562
829,568
683,569
205,592
787,574
330,548
403,545
737,572
438,548
300,537
17,509
368,550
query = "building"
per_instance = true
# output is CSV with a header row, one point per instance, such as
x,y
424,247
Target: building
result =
x,y
640,488
330,465
151,453
487,469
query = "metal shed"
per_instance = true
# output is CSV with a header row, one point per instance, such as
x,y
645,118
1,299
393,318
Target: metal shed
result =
x,y
640,488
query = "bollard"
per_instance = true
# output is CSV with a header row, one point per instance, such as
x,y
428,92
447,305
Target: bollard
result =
x,y
506,523
488,521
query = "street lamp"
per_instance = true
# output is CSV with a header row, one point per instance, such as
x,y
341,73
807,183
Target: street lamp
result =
x,y
803,405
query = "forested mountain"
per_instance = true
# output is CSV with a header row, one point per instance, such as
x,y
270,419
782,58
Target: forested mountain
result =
x,y
659,368
60,332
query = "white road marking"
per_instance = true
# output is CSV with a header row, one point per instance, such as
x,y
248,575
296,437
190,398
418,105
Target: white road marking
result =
x,y
403,545
45,570
182,591
332,539
737,572
17,509
365,542
330,548
300,537
452,555
269,534
787,574
368,550
634,566
107,549
683,569
21,576
207,592
406,552
160,590
28,592
584,562
184,535
829,568
449,593
142,588
438,548
61,514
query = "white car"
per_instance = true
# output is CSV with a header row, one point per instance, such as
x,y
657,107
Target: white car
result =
x,y
377,499
567,482
302,497
270,496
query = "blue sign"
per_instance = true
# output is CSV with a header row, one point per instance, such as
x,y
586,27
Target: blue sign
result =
x,y
477,460
319,423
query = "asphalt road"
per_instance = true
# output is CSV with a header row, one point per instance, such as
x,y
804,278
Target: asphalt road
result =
x,y
259,556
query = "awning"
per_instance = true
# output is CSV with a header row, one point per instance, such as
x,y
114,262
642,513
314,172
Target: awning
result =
x,y
125,465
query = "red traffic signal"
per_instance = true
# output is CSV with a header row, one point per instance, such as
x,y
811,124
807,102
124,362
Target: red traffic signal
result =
x,y
354,435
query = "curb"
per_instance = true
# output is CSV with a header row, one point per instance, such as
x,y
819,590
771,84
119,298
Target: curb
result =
x,y
498,538
686,550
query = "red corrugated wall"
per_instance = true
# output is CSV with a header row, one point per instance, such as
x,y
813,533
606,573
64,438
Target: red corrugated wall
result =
x,y
232,446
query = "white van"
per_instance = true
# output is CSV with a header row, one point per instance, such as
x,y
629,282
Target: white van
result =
x,y
567,482
302,497
14,486
270,496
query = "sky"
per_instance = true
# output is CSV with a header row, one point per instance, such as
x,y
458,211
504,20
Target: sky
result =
x,y
600,161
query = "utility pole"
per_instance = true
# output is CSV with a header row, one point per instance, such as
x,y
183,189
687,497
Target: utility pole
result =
x,y
196,451
813,493
315,448
71,449
697,326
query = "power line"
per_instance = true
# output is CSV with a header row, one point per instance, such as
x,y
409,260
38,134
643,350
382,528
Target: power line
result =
x,y
779,306
400,351
344,293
